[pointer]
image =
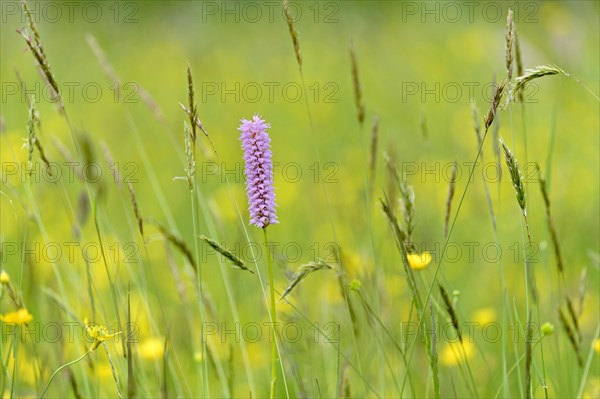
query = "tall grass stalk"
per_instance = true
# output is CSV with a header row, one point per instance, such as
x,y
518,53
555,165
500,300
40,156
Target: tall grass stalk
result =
x,y
489,119
37,216
369,158
588,364
274,350
35,45
299,61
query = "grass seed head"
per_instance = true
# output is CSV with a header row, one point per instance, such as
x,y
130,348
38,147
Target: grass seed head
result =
x,y
515,175
360,106
509,43
293,33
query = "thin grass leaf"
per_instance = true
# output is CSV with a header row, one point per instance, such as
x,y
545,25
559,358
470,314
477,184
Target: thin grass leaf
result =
x,y
434,356
164,386
131,389
528,357
479,136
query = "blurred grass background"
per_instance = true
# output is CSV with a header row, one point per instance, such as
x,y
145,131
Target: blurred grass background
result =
x,y
395,50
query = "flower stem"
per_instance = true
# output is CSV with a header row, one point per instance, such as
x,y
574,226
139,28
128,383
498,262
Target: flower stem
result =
x,y
61,368
273,318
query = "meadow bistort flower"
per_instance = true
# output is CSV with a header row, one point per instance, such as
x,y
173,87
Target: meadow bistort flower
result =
x,y
258,171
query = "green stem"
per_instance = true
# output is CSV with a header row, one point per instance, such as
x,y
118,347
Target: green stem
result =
x,y
273,318
198,269
58,370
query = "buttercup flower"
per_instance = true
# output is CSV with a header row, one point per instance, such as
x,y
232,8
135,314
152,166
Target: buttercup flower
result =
x,y
151,348
452,354
485,316
98,333
4,277
419,261
21,316
259,171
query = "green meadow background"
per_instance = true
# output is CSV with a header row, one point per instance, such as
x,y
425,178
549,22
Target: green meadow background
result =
x,y
419,64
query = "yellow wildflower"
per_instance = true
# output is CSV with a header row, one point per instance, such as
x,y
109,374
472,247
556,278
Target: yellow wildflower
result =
x,y
485,316
597,345
331,291
4,277
98,332
102,370
151,348
283,307
419,261
21,316
592,391
256,354
452,354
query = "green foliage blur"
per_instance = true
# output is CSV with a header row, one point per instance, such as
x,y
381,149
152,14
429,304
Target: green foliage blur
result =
x,y
420,65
